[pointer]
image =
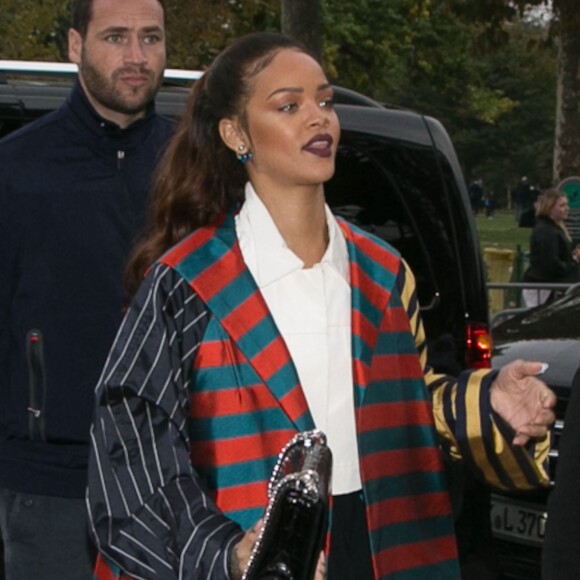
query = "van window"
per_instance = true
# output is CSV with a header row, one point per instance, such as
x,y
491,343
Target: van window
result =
x,y
389,189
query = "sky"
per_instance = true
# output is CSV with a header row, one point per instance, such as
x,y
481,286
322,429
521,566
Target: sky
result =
x,y
544,11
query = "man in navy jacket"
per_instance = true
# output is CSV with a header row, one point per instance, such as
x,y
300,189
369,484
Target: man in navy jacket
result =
x,y
73,192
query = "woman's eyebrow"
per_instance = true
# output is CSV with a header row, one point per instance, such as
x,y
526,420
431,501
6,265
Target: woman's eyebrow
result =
x,y
296,90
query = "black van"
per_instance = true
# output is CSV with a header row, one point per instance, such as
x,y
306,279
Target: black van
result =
x,y
397,176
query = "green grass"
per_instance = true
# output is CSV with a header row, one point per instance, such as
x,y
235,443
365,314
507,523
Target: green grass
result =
x,y
502,232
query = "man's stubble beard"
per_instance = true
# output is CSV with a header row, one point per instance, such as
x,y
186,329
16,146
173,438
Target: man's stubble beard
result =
x,y
103,89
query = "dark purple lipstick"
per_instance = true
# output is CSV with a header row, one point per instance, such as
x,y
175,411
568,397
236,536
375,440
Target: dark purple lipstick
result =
x,y
320,145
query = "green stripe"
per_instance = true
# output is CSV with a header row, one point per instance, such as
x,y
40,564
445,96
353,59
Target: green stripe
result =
x,y
396,391
239,425
399,534
395,343
240,473
402,485
396,438
246,518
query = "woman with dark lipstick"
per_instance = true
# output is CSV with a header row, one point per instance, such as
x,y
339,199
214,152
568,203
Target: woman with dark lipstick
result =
x,y
262,316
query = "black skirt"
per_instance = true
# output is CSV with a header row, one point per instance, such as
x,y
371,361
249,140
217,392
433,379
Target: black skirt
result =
x,y
350,554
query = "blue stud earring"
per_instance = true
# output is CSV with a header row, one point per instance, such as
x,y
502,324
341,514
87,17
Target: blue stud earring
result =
x,y
243,158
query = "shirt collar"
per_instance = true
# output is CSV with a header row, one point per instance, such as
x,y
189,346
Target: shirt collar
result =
x,y
266,254
86,113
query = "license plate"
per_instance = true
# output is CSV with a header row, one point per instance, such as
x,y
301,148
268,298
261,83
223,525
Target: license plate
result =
x,y
519,521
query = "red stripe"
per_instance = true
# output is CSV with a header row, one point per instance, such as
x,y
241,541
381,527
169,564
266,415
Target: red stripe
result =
x,y
103,572
213,354
362,327
395,320
415,555
371,248
184,248
400,461
239,449
218,275
409,508
374,293
271,358
395,366
242,497
253,310
294,403
360,372
376,252
385,415
231,401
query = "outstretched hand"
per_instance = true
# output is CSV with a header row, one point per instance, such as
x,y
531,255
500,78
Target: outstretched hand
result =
x,y
523,400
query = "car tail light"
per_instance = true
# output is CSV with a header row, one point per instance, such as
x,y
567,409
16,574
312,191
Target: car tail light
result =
x,y
477,345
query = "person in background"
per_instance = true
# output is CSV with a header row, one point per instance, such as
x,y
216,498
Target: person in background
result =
x,y
258,314
521,198
476,196
73,192
528,215
552,257
489,203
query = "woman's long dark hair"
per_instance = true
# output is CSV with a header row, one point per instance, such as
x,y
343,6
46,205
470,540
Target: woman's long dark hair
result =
x,y
199,177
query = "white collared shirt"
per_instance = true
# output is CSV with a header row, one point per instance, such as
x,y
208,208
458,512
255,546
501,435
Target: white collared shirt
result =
x,y
312,309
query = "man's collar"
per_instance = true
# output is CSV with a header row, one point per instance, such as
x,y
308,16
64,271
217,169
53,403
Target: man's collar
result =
x,y
90,118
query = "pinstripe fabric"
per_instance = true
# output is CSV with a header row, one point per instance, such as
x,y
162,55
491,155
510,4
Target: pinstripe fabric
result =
x,y
149,512
199,376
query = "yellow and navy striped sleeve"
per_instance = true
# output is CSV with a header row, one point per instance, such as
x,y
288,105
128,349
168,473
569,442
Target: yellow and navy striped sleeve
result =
x,y
467,426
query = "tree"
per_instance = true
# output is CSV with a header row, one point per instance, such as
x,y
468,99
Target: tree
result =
x,y
567,33
567,135
33,29
520,140
199,29
301,19
476,65
444,60
367,43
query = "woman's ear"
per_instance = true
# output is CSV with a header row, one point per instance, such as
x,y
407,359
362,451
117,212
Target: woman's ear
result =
x,y
231,134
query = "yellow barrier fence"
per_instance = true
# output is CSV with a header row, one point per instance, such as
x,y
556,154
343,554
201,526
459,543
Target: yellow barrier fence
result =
x,y
499,264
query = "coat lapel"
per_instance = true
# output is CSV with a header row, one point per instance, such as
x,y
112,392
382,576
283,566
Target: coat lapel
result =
x,y
217,272
373,267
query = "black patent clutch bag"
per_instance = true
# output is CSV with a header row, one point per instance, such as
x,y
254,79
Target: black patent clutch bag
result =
x,y
295,521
